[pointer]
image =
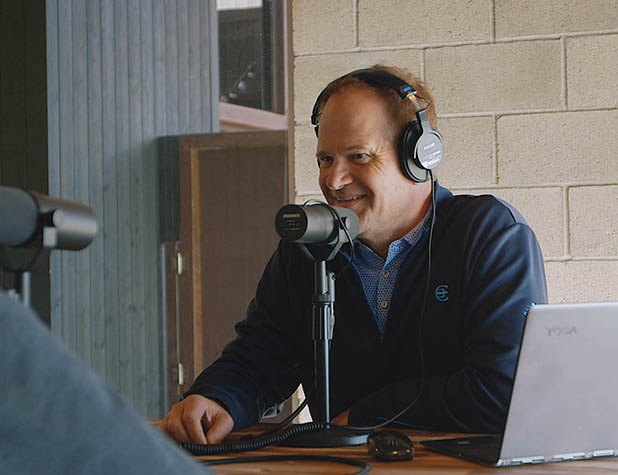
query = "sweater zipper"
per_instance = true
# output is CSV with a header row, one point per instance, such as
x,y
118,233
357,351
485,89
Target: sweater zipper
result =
x,y
381,337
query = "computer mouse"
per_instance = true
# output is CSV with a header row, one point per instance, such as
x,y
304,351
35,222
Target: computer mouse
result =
x,y
390,445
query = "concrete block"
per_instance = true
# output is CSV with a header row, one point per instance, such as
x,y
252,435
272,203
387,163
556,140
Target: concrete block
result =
x,y
534,17
593,221
558,147
300,199
495,77
313,73
305,165
582,281
319,25
401,22
543,210
468,151
592,70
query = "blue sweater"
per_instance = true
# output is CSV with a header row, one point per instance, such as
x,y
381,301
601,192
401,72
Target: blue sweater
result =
x,y
487,269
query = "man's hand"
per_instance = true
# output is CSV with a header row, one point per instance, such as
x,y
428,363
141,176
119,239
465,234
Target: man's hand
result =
x,y
342,419
187,419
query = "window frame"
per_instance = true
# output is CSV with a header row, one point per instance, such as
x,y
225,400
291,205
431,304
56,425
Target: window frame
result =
x,y
234,117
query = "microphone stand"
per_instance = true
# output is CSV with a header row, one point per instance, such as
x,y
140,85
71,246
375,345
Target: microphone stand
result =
x,y
14,262
21,261
323,310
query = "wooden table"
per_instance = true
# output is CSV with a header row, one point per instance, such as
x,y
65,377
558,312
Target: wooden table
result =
x,y
424,462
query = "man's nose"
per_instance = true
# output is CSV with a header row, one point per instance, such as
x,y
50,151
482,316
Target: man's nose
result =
x,y
338,175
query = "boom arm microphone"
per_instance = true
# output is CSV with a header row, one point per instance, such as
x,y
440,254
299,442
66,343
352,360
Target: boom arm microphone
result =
x,y
24,216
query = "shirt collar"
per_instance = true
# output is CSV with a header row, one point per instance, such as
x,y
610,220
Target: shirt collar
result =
x,y
406,241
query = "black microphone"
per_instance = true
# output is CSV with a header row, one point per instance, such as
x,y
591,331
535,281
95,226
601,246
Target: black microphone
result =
x,y
26,215
19,217
315,224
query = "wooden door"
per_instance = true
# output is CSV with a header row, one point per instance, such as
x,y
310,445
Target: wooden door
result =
x,y
231,186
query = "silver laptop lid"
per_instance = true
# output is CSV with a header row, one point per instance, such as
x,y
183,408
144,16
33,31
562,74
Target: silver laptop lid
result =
x,y
565,396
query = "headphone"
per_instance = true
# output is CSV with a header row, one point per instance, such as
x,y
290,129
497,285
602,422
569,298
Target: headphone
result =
x,y
420,145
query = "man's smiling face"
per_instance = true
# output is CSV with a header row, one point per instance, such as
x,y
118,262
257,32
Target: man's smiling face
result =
x,y
359,168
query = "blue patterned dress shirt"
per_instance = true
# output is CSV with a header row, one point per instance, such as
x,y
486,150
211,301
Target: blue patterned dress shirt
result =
x,y
378,276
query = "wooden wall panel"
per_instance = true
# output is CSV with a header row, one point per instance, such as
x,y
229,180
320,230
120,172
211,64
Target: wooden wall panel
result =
x,y
109,217
147,212
53,154
67,170
123,165
202,175
120,74
95,180
81,169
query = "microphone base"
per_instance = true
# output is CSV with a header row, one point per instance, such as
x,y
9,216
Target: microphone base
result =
x,y
329,437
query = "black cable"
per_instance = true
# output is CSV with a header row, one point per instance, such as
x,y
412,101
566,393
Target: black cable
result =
x,y
352,255
27,267
289,419
420,325
342,226
255,443
262,440
365,467
427,101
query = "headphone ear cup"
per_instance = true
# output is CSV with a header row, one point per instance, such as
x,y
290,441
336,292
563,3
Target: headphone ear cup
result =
x,y
407,144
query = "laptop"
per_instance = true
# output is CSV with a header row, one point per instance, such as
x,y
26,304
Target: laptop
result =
x,y
564,404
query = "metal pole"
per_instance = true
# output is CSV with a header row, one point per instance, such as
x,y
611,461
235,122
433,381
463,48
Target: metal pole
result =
x,y
323,325
25,286
323,308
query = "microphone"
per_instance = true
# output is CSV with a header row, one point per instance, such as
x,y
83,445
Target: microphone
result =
x,y
26,215
18,217
316,224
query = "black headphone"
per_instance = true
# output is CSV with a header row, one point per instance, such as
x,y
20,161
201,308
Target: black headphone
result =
x,y
420,145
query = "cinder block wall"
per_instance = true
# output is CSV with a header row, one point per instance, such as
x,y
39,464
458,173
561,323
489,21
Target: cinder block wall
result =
x,y
527,99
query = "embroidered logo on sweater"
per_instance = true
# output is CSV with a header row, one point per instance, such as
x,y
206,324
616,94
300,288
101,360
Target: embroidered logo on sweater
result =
x,y
441,293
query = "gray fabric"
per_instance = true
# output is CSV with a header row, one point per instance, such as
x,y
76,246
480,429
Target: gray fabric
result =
x,y
57,417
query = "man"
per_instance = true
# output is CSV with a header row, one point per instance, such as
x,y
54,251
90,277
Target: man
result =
x,y
452,343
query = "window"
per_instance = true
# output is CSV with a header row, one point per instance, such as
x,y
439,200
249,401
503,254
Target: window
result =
x,y
252,63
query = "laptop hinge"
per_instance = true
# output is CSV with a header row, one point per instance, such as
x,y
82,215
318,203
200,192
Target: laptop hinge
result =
x,y
525,460
570,456
604,453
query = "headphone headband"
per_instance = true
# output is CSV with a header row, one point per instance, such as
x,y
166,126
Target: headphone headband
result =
x,y
420,145
374,77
